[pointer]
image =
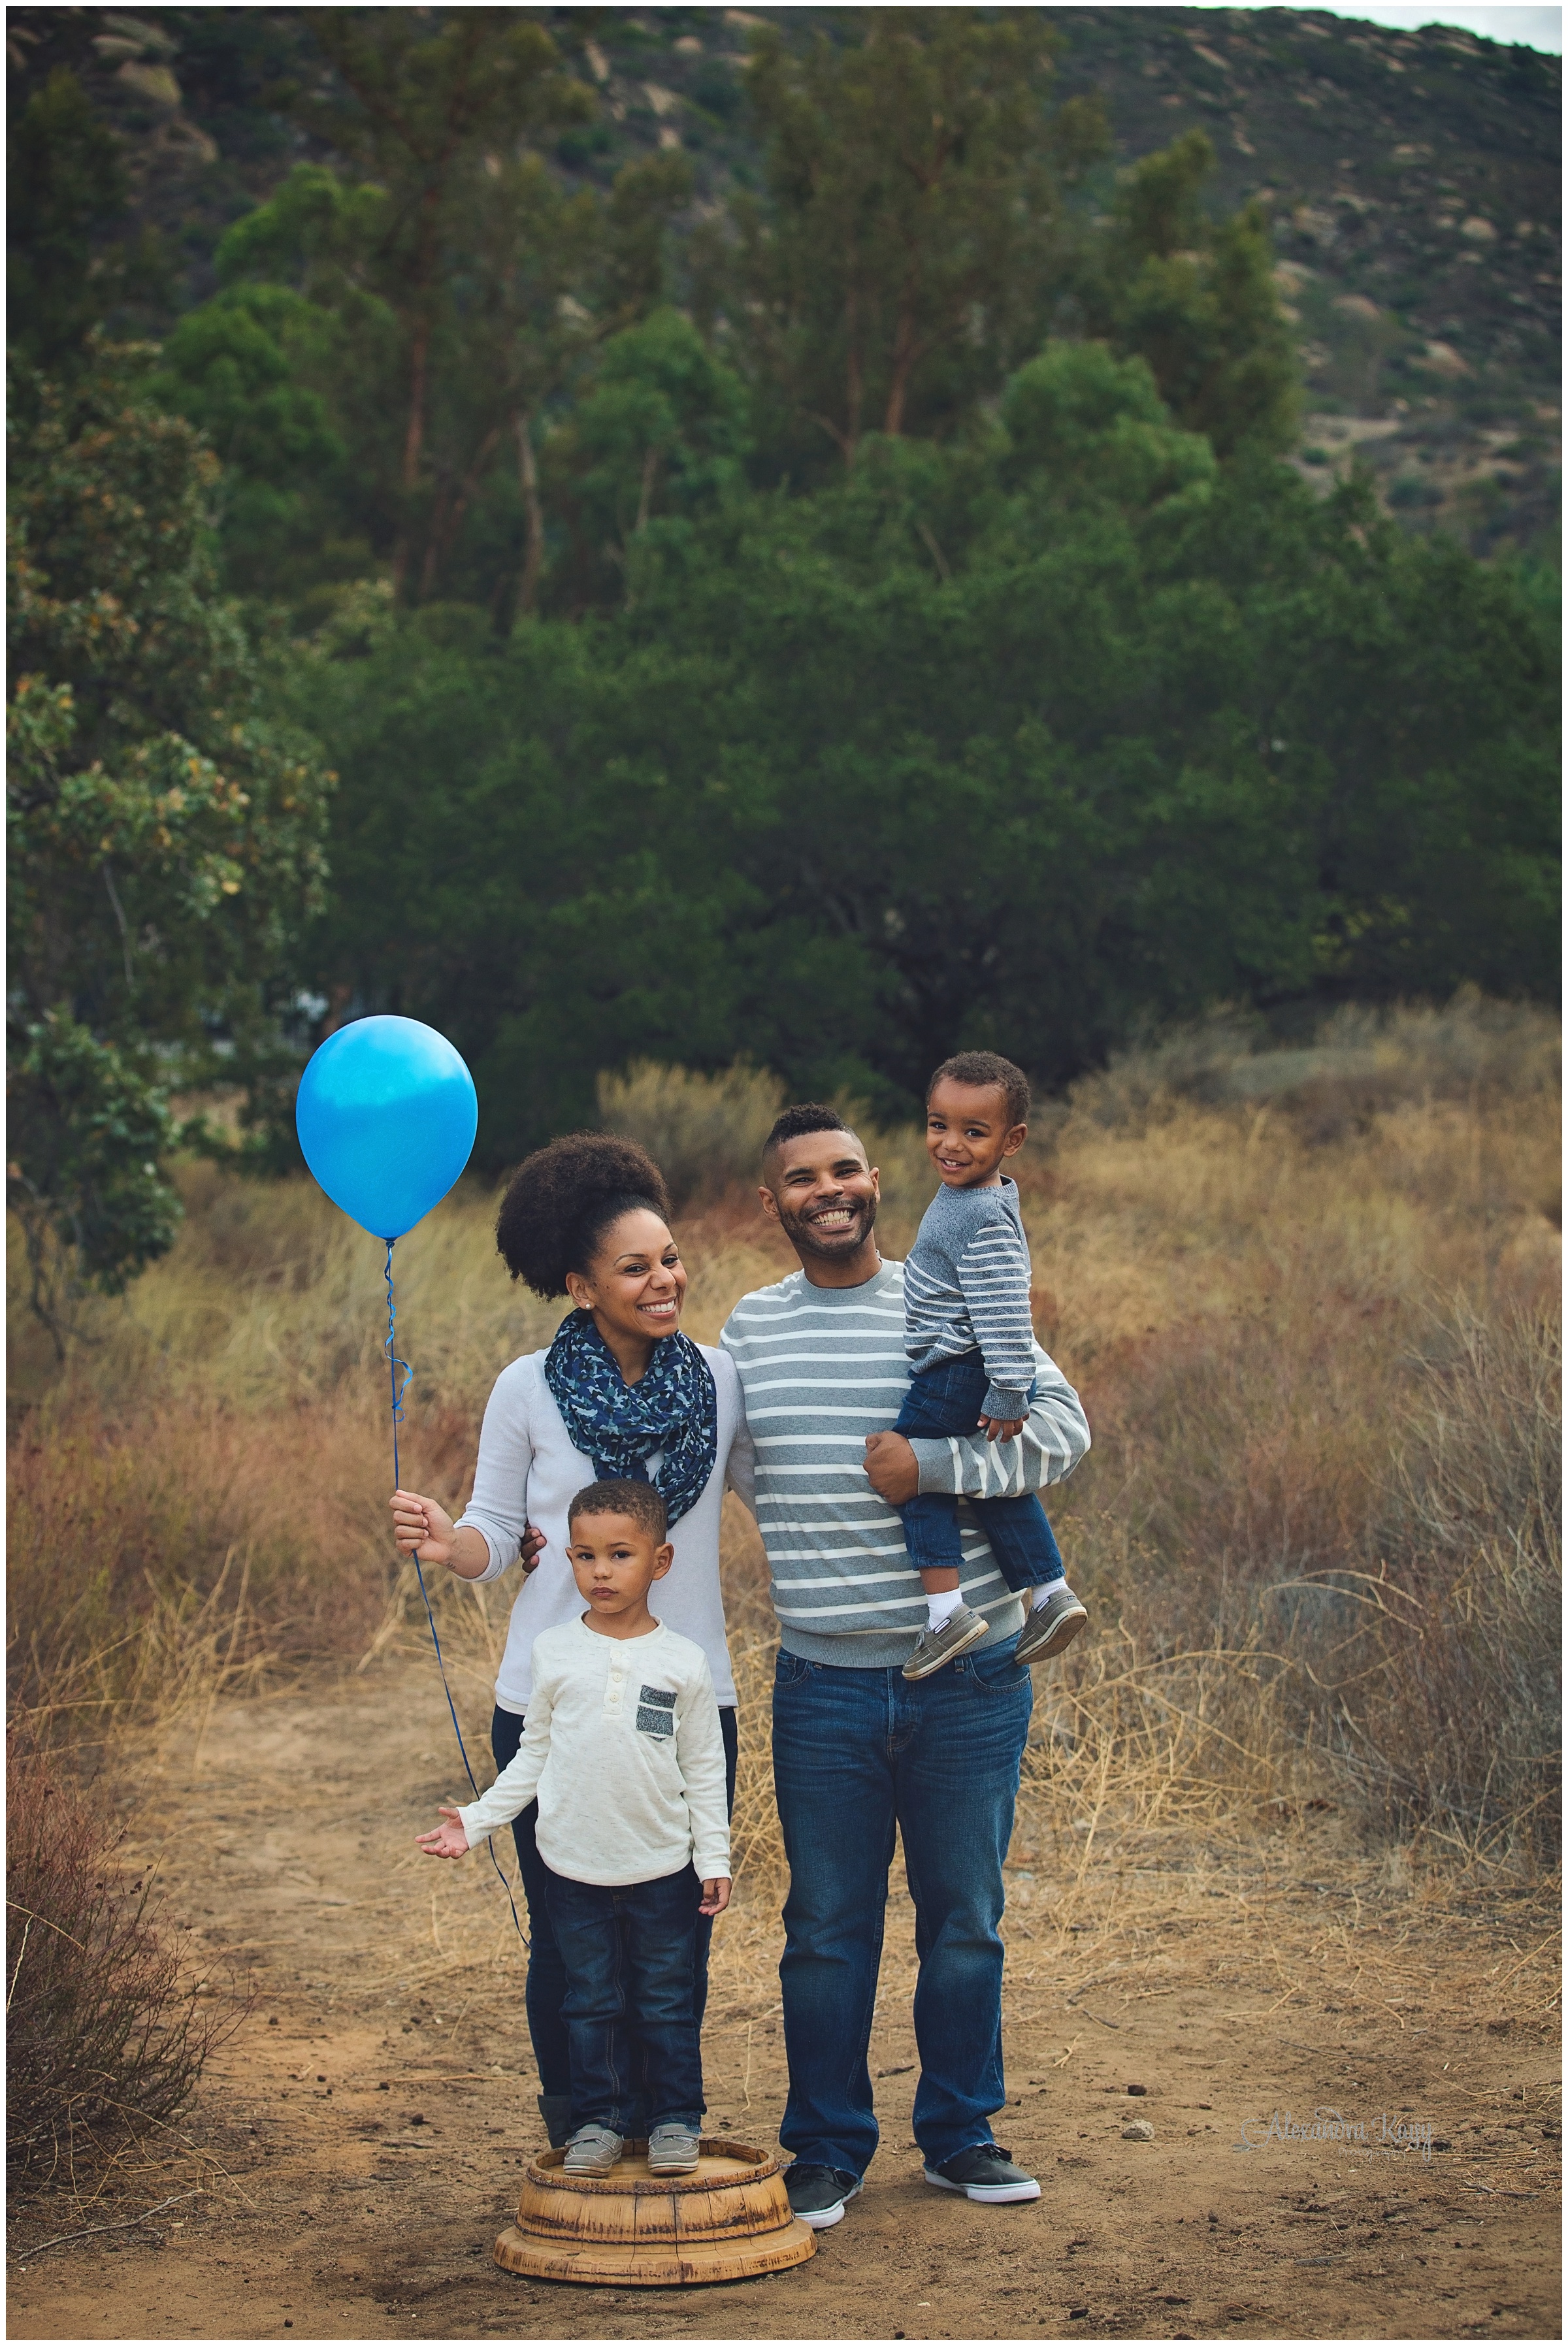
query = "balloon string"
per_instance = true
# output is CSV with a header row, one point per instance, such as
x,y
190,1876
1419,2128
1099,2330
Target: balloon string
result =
x,y
398,1391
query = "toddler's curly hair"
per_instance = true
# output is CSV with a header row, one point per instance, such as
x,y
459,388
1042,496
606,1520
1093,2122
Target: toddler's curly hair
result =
x,y
562,1199
978,1071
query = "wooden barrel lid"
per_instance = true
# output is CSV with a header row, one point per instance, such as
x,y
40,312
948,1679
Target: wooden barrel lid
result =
x,y
729,2219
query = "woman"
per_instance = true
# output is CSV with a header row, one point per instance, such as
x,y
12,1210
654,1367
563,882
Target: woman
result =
x,y
619,1393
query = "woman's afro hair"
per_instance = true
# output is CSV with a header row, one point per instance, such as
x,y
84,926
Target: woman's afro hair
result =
x,y
562,1199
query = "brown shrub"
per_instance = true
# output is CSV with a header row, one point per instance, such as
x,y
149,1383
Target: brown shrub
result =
x,y
105,2038
1462,1732
704,1132
189,1537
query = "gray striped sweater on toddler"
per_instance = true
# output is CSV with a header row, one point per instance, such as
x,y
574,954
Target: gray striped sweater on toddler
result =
x,y
966,1287
820,1368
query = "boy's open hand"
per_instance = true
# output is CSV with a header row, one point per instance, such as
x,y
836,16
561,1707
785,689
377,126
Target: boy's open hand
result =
x,y
1002,1429
715,1895
450,1839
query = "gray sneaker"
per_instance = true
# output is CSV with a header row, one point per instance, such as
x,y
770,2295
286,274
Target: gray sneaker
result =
x,y
673,2149
1050,1628
986,2173
593,2150
937,1648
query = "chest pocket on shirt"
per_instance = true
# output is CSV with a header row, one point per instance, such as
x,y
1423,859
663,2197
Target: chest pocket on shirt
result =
x,y
655,1711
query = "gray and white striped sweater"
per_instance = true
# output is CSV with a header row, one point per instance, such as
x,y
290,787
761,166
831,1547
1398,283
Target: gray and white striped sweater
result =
x,y
820,1368
966,1284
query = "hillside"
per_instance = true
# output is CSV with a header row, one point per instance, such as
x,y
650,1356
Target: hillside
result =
x,y
1411,178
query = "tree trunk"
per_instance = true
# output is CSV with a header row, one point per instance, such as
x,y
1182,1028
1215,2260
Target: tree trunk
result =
x,y
412,449
645,501
449,515
534,515
854,378
907,353
433,543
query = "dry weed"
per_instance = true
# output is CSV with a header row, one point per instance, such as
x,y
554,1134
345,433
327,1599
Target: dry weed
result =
x,y
106,2037
704,1132
1320,1548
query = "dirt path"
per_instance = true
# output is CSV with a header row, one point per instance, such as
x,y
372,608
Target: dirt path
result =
x,y
368,2120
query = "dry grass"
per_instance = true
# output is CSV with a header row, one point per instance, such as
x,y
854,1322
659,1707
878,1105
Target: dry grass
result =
x,y
1321,1359
1316,1336
106,2033
705,1132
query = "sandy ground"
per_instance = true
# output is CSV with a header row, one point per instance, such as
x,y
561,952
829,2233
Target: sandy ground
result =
x,y
356,2145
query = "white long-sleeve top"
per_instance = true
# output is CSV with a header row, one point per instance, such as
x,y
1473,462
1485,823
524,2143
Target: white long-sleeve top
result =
x,y
623,1754
529,1471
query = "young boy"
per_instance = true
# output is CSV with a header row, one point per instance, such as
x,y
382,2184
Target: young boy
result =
x,y
969,1335
621,1749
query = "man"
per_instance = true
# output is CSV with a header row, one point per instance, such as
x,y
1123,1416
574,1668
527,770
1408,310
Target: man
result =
x,y
857,1749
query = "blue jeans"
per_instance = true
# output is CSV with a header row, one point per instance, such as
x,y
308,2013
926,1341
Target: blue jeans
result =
x,y
546,1985
948,1399
856,1753
630,1955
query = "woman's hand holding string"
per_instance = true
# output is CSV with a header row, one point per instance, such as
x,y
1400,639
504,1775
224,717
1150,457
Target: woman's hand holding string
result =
x,y
424,1529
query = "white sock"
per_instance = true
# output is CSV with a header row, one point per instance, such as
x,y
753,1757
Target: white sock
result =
x,y
1051,1588
942,1606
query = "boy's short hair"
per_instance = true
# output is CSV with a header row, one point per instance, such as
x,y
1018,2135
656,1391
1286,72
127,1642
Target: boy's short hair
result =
x,y
979,1070
642,1502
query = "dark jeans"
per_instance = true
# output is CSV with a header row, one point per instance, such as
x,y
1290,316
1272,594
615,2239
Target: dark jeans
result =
x,y
547,1988
948,1399
857,1753
630,1955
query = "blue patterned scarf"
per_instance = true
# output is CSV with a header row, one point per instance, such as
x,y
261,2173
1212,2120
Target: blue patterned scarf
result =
x,y
673,1407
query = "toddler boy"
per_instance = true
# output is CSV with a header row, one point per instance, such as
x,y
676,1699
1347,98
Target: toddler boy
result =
x,y
623,1751
969,1335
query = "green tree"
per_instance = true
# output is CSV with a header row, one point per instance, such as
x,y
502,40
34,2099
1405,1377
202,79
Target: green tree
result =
x,y
66,188
915,225
308,341
246,369
164,837
659,433
548,276
1008,742
1195,297
417,112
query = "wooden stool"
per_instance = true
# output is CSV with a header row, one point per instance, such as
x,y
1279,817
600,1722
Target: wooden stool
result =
x,y
728,2222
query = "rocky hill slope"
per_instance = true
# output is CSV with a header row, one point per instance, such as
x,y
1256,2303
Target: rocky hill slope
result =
x,y
1413,179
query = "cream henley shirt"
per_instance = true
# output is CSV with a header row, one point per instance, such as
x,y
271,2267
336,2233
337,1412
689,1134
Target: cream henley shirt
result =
x,y
623,1751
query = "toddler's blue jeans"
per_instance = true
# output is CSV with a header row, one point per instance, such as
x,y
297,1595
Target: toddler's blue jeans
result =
x,y
630,1955
948,1399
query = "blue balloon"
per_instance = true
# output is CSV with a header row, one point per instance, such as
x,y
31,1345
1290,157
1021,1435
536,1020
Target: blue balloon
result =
x,y
386,1116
